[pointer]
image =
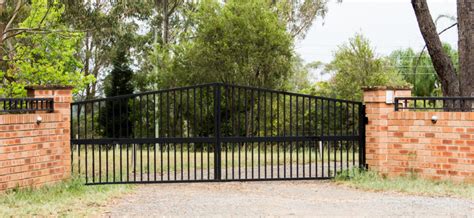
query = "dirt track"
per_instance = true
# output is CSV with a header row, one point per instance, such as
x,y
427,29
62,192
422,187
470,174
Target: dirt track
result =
x,y
298,198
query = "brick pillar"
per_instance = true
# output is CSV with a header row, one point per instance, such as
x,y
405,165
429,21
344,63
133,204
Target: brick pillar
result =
x,y
379,102
62,96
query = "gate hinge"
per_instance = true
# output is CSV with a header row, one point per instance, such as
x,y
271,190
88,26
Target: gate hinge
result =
x,y
366,120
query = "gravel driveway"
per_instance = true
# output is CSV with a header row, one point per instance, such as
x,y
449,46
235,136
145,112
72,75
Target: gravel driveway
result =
x,y
279,198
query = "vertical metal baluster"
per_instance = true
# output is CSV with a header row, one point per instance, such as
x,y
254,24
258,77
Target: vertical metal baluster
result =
x,y
113,161
93,145
140,135
162,125
100,162
154,136
134,150
226,117
195,129
168,115
258,132
107,163
252,122
347,133
188,107
175,124
335,133
182,130
341,133
128,165
238,127
271,134
310,134
278,132
85,134
316,132
232,129
329,142
322,134
71,115
353,134
284,134
120,135
147,134
209,146
303,142
86,161
297,134
202,122
291,134
246,130
265,131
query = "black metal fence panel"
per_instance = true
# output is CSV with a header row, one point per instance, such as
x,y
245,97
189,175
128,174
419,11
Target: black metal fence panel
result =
x,y
25,105
451,104
215,132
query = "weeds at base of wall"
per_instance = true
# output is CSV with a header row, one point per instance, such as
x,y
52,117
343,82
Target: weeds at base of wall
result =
x,y
69,197
410,184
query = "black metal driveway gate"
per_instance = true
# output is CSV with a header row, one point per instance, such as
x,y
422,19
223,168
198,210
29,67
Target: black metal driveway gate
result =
x,y
215,132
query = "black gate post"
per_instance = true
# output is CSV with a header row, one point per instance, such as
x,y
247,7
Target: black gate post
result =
x,y
217,131
362,123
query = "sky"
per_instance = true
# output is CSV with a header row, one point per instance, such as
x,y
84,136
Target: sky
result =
x,y
388,24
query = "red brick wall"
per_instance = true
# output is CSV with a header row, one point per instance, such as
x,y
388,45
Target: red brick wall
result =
x,y
401,143
33,154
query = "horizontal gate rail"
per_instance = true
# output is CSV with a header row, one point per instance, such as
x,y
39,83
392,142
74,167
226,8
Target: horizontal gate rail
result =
x,y
215,132
211,140
143,140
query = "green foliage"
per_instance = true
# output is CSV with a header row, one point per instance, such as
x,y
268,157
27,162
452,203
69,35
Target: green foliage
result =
x,y
418,70
239,42
354,66
46,56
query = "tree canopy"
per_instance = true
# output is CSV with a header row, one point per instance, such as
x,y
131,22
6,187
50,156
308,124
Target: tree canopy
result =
x,y
45,56
354,66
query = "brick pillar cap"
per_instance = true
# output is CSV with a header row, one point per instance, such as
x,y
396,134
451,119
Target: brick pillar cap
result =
x,y
374,88
48,87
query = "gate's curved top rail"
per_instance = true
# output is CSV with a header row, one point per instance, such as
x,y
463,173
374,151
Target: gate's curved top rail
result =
x,y
210,85
197,111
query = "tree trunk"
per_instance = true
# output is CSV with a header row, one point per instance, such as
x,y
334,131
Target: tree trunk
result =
x,y
441,61
3,25
165,22
466,46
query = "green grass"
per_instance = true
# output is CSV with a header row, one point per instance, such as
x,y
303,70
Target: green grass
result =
x,y
67,198
369,180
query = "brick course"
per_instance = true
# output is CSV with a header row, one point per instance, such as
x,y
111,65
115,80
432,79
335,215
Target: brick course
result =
x,y
34,154
404,142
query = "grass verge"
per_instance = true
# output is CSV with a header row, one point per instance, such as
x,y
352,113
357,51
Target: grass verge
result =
x,y
69,197
369,180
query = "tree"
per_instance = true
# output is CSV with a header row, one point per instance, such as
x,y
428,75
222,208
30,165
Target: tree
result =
x,y
46,56
453,82
417,69
104,24
299,15
114,119
354,66
240,42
